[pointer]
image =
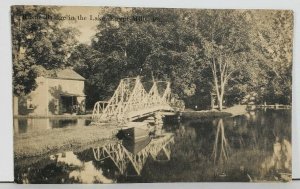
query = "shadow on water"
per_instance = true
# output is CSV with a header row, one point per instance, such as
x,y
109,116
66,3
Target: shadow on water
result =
x,y
253,147
229,149
108,163
32,125
66,167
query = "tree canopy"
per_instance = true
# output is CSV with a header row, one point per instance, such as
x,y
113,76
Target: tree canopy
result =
x,y
38,43
227,53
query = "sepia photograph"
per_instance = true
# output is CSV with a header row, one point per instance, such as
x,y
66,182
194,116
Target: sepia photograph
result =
x,y
151,95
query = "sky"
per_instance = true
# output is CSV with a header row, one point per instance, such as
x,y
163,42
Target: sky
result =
x,y
86,27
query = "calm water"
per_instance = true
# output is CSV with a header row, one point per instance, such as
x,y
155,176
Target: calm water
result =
x,y
254,147
32,125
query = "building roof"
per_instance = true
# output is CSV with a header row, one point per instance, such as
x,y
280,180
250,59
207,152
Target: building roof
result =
x,y
72,94
68,74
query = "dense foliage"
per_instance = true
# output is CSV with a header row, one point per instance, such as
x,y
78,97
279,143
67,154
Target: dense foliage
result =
x,y
228,53
39,43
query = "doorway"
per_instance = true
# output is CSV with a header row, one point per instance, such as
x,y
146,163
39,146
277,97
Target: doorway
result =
x,y
68,103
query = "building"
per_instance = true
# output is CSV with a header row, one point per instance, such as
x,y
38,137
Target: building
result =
x,y
61,92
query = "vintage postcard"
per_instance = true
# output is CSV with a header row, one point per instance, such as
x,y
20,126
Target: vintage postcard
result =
x,y
139,95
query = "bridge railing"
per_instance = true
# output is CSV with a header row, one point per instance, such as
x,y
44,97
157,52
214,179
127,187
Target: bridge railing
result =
x,y
99,108
131,96
137,107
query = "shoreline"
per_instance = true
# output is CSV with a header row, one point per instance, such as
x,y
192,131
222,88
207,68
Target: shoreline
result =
x,y
236,110
25,161
194,115
228,112
68,116
37,144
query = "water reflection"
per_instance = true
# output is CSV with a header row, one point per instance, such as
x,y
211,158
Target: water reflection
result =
x,y
264,138
254,147
89,174
31,125
221,146
82,172
158,149
279,164
104,164
234,149
221,150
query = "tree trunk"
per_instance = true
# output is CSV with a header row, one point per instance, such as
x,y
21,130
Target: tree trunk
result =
x,y
220,102
15,105
220,79
222,86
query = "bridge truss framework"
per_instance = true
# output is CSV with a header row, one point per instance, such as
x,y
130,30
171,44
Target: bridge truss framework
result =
x,y
131,101
122,158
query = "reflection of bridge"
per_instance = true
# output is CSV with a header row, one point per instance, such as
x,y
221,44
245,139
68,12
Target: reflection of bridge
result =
x,y
122,158
132,100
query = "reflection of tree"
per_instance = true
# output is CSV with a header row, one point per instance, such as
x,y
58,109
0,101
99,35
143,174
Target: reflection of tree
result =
x,y
80,171
221,141
279,164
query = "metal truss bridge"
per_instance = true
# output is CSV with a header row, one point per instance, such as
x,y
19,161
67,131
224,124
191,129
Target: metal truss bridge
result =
x,y
122,158
131,101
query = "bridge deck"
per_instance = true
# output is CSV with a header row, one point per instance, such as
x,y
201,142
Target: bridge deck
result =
x,y
131,101
148,111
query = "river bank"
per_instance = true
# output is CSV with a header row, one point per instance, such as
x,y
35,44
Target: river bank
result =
x,y
236,110
207,114
41,143
194,115
65,116
33,144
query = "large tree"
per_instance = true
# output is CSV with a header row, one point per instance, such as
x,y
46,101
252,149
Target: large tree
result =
x,y
226,46
39,42
161,49
222,51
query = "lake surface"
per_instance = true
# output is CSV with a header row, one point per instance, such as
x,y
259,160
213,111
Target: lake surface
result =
x,y
34,125
252,147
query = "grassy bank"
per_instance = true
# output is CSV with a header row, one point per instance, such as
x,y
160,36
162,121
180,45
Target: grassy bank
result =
x,y
208,114
50,141
193,115
46,142
236,110
43,159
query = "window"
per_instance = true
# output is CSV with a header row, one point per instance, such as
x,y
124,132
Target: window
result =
x,y
56,105
29,104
